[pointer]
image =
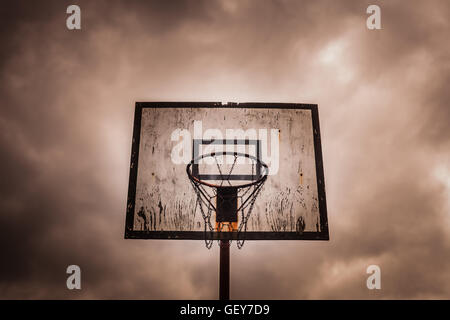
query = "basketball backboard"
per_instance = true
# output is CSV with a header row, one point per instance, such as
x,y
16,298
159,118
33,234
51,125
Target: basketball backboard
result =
x,y
278,142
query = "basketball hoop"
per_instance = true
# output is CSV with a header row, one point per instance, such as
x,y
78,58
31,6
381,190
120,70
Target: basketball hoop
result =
x,y
234,202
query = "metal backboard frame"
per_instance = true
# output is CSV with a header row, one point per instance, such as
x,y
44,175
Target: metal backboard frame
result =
x,y
130,233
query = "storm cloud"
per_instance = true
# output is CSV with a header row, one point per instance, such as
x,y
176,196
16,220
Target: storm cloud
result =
x,y
67,104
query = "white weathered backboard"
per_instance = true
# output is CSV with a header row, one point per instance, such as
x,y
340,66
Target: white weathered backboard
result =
x,y
162,203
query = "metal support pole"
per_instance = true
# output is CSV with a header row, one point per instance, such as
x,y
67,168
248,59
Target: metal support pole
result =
x,y
224,277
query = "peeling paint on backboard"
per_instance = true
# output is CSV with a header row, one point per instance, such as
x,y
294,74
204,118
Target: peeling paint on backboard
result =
x,y
289,201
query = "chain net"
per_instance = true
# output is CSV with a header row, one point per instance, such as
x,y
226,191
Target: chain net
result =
x,y
208,197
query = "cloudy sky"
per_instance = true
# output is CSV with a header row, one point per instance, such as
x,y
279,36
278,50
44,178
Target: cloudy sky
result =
x,y
67,105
